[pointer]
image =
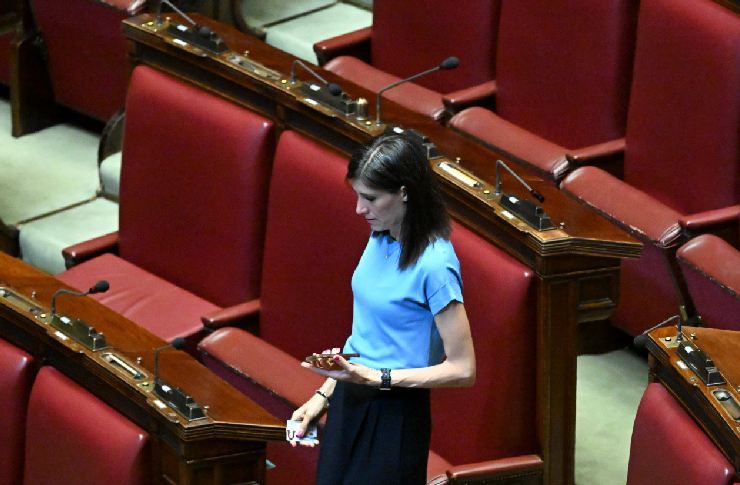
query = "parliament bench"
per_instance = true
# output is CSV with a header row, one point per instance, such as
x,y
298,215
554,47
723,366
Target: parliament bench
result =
x,y
312,244
55,432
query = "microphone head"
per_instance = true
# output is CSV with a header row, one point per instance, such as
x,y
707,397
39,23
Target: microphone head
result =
x,y
640,341
538,196
450,63
178,342
100,287
334,89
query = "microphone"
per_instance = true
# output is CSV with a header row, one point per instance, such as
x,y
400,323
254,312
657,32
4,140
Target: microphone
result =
x,y
176,343
333,88
641,340
449,63
525,210
500,163
197,35
100,287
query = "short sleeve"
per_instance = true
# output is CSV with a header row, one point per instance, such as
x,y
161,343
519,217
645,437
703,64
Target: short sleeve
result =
x,y
443,285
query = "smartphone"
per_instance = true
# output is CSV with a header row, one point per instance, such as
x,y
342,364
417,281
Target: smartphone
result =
x,y
314,358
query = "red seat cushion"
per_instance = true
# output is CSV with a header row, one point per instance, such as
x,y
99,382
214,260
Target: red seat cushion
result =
x,y
154,303
712,271
16,377
194,181
73,437
668,446
88,60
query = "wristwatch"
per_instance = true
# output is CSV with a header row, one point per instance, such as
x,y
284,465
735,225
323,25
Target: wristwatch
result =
x,y
385,379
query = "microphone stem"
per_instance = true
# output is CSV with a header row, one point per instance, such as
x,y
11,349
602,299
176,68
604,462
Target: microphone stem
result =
x,y
380,93
59,292
514,174
176,9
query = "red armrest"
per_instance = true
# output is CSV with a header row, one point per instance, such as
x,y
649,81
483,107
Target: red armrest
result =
x,y
608,155
482,94
715,259
526,469
77,253
355,44
632,209
719,221
237,315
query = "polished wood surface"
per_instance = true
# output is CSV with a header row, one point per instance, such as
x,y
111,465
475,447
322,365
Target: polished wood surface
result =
x,y
723,347
226,446
576,265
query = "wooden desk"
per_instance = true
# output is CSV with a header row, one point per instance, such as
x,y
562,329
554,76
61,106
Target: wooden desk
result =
x,y
227,446
576,265
699,399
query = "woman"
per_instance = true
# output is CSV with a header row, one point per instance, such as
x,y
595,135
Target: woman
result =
x,y
409,326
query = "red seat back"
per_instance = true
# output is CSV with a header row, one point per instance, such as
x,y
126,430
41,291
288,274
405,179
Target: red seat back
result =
x,y
72,437
87,61
193,188
712,271
563,68
668,446
496,417
682,132
415,35
313,242
16,376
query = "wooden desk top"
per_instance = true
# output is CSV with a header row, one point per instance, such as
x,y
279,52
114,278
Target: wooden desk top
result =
x,y
723,347
229,414
583,232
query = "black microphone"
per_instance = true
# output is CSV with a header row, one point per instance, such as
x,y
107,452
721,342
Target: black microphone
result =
x,y
449,63
100,287
333,88
535,194
176,343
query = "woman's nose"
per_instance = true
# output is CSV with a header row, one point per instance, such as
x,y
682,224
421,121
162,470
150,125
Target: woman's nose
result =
x,y
360,208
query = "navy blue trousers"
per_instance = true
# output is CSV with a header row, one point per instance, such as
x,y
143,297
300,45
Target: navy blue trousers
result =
x,y
375,437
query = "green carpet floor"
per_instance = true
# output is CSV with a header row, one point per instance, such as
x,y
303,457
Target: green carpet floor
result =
x,y
57,166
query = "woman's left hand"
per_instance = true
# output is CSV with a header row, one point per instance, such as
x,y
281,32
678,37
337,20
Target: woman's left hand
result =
x,y
343,370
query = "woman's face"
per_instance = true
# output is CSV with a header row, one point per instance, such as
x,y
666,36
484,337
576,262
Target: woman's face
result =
x,y
384,211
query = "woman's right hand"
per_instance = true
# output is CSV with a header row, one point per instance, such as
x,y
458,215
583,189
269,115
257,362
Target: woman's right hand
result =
x,y
309,411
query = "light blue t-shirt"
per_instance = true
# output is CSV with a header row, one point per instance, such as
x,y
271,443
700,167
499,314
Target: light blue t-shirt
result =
x,y
393,316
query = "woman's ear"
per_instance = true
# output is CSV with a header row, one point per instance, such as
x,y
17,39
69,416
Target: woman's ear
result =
x,y
403,193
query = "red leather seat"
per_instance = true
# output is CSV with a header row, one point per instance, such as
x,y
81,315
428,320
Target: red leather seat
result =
x,y
87,52
413,36
669,447
563,71
16,377
306,306
674,168
73,437
711,268
192,207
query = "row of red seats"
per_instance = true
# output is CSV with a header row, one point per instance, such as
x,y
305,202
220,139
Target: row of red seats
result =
x,y
649,91
53,431
220,226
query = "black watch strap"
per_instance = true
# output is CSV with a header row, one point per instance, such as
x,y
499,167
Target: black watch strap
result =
x,y
385,379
